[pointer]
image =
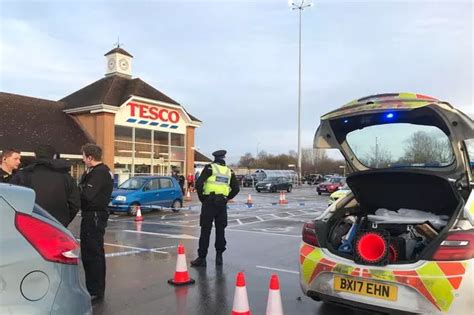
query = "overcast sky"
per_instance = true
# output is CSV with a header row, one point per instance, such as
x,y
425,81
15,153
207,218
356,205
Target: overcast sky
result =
x,y
234,64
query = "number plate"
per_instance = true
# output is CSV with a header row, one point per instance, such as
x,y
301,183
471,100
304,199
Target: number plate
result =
x,y
367,288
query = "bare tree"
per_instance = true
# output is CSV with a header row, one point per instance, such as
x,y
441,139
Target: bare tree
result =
x,y
423,148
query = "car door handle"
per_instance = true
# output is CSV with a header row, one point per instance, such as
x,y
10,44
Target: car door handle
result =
x,y
157,194
172,192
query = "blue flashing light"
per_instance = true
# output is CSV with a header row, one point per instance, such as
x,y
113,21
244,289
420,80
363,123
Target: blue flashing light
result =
x,y
346,121
389,116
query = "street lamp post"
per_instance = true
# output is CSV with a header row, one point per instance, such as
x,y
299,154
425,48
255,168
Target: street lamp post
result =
x,y
301,5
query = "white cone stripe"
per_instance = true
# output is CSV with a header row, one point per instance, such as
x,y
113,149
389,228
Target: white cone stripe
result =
x,y
181,263
274,305
241,302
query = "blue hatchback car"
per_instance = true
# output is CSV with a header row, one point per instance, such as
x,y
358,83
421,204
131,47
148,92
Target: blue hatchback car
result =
x,y
148,192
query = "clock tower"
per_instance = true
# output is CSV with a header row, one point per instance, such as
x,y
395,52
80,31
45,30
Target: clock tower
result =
x,y
119,62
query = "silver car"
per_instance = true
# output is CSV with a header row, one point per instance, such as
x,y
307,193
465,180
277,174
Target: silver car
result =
x,y
39,263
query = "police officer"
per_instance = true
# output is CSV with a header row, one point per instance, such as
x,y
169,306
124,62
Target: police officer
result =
x,y
11,160
216,185
96,188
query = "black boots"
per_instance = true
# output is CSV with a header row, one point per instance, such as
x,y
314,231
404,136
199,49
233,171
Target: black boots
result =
x,y
219,260
199,262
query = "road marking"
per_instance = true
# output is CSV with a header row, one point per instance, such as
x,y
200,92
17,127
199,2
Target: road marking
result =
x,y
130,252
155,250
289,235
277,269
239,222
179,236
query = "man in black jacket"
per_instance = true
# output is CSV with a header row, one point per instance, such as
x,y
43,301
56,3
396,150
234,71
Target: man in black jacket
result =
x,y
96,188
11,159
56,191
215,187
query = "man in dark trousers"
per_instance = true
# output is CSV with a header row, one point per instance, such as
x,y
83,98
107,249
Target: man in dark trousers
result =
x,y
96,188
216,185
11,160
56,190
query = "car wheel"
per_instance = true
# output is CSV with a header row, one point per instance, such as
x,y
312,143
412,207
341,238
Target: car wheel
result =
x,y
176,205
319,193
132,209
273,189
258,190
289,189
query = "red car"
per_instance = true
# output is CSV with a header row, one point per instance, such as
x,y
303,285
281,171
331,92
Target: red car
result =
x,y
331,185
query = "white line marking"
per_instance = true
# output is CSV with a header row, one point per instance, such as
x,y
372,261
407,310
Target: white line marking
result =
x,y
180,236
117,254
239,222
259,218
289,235
155,250
277,269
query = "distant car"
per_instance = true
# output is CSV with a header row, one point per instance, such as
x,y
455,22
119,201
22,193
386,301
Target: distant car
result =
x,y
274,184
249,181
314,179
239,178
39,266
338,194
331,185
148,192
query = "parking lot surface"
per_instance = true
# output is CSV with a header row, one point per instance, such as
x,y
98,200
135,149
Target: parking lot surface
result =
x,y
261,240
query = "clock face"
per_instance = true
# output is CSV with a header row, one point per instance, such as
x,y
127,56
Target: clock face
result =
x,y
111,64
123,63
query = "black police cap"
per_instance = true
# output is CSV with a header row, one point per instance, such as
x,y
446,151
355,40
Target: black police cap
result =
x,y
219,153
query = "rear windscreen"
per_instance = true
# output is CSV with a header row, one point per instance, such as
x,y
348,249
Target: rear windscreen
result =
x,y
401,145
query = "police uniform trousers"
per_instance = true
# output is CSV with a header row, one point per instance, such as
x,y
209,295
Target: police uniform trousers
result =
x,y
93,226
212,210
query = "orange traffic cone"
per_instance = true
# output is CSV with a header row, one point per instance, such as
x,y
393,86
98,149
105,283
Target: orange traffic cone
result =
x,y
188,195
274,305
181,276
241,302
282,200
249,200
139,216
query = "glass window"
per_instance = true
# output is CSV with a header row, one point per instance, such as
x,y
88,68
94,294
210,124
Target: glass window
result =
x,y
142,135
153,184
166,183
142,150
161,137
123,133
133,183
177,153
123,148
401,145
470,152
177,139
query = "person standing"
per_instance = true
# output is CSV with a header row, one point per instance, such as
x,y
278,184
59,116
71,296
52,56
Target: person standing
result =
x,y
215,186
11,160
96,189
50,177
190,181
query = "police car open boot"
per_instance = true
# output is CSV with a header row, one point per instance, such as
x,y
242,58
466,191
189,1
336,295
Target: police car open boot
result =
x,y
219,260
199,262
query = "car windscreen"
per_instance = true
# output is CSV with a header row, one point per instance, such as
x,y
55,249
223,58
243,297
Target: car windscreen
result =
x,y
401,145
133,183
336,180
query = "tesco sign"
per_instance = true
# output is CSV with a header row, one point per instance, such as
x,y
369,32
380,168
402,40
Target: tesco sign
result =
x,y
153,113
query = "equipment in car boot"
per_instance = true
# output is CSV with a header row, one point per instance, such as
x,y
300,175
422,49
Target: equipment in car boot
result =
x,y
347,240
372,247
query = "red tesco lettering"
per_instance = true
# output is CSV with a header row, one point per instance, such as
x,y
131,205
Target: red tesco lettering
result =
x,y
153,113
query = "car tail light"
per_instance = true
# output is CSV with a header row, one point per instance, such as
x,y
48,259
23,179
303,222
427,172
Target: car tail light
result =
x,y
456,246
50,242
309,234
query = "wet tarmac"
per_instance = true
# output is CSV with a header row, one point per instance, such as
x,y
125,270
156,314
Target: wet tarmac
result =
x,y
261,240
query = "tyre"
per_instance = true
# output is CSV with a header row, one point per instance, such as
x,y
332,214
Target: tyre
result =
x,y
132,210
176,205
258,190
273,190
289,188
319,193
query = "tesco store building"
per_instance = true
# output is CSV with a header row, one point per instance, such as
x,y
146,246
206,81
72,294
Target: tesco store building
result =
x,y
141,130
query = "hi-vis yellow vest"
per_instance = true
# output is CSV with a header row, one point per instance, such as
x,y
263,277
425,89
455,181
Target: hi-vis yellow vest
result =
x,y
219,182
